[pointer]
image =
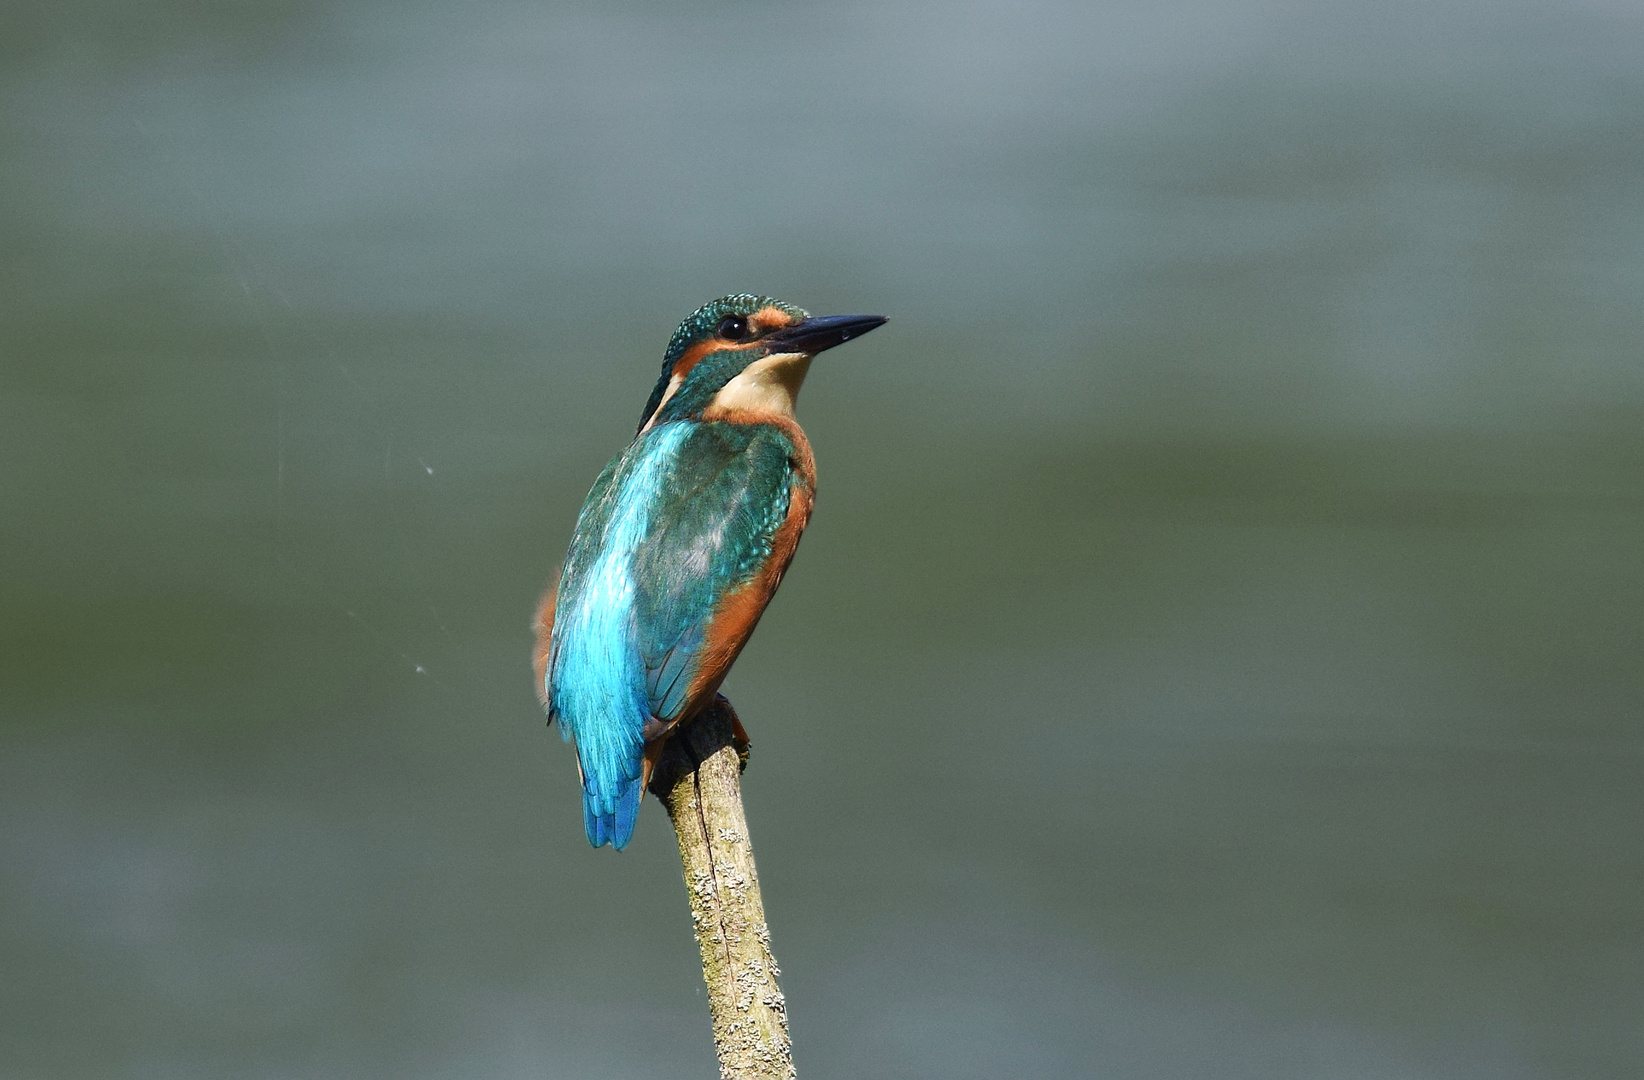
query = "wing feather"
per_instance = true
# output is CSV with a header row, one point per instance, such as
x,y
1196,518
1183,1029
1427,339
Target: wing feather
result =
x,y
710,537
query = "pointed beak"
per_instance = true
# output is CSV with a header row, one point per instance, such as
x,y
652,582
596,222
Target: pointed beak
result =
x,y
821,332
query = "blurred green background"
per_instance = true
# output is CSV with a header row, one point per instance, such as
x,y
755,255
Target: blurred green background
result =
x,y
1218,651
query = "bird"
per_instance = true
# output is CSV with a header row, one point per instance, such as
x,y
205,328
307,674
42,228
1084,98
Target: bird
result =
x,y
680,545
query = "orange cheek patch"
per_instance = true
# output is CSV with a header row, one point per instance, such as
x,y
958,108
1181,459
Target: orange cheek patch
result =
x,y
695,354
691,358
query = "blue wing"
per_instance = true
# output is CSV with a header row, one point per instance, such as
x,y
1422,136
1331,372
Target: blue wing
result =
x,y
684,515
729,497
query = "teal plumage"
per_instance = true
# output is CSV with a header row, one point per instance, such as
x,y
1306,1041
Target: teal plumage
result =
x,y
680,544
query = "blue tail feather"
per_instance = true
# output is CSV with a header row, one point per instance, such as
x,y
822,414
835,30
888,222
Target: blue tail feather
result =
x,y
609,811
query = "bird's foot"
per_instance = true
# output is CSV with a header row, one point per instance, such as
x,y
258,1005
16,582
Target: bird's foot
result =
x,y
695,741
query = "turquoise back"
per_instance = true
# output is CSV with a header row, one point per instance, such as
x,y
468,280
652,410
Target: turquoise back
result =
x,y
685,515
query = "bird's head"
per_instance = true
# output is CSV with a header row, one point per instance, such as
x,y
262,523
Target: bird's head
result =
x,y
744,353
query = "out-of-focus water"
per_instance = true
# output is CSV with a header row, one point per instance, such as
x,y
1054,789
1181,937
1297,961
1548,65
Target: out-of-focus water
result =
x,y
1217,652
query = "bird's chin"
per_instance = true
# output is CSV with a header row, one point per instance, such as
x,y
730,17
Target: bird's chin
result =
x,y
768,386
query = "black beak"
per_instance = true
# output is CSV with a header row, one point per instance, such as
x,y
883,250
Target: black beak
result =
x,y
821,332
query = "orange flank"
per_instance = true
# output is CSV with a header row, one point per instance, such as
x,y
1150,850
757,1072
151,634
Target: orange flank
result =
x,y
738,612
544,626
736,615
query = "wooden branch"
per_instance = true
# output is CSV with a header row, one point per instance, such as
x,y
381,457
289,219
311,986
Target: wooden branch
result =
x,y
699,778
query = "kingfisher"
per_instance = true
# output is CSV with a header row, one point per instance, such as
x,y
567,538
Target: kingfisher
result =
x,y
680,544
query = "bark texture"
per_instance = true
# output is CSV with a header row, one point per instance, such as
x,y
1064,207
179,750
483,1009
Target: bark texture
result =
x,y
699,777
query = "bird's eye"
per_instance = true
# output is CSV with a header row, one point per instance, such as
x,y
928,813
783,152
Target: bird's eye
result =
x,y
732,328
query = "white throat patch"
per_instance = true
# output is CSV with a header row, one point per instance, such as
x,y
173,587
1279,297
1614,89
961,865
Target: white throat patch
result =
x,y
769,385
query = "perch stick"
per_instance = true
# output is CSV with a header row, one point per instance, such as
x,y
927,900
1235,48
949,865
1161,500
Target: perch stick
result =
x,y
699,777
